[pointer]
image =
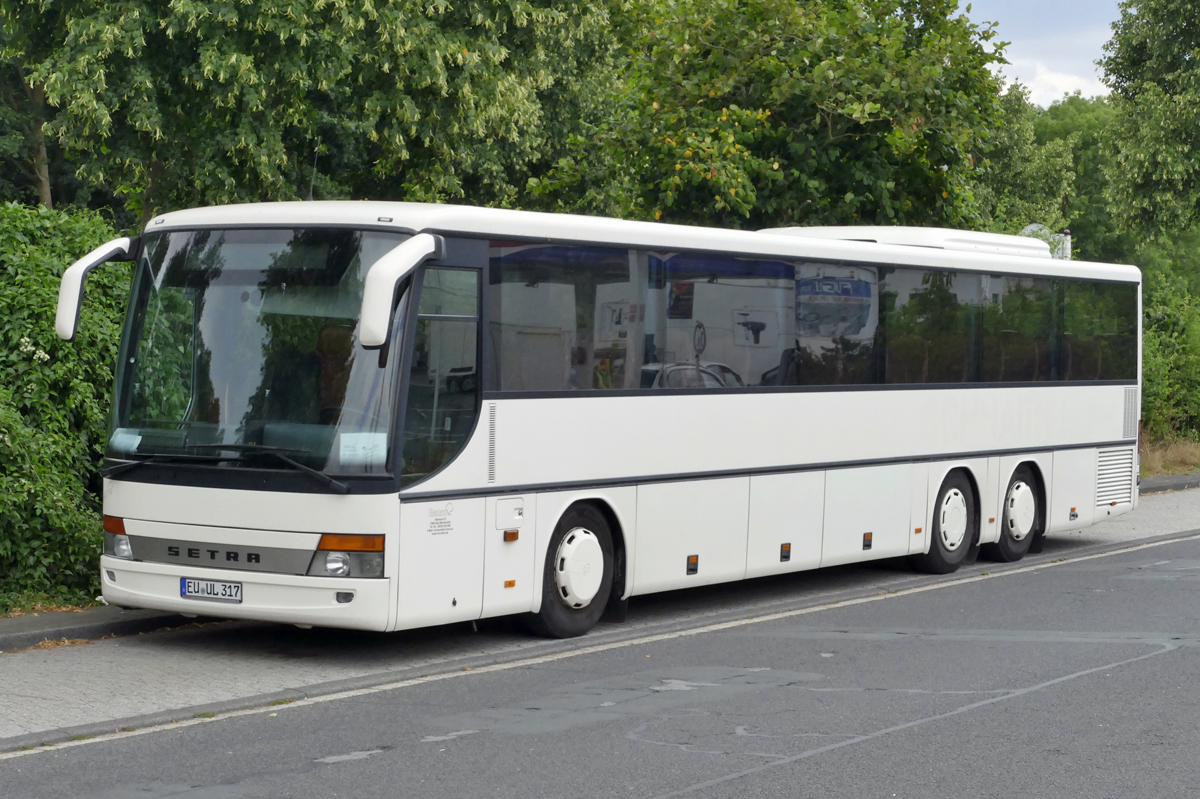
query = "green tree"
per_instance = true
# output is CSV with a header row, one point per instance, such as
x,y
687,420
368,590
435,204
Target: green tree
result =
x,y
762,112
1151,65
1085,121
209,102
1021,180
54,400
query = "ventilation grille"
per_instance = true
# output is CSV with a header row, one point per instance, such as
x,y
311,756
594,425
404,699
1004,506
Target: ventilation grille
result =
x,y
491,442
1114,477
1131,412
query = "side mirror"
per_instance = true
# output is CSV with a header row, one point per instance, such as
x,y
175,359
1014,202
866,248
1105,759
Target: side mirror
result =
x,y
379,291
70,288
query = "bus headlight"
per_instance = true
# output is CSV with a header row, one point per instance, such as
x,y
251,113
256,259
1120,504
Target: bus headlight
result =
x,y
346,564
337,564
117,546
116,543
348,556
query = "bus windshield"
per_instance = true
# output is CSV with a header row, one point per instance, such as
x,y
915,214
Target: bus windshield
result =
x,y
244,344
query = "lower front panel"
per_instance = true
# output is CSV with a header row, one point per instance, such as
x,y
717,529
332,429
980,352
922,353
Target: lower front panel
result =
x,y
283,598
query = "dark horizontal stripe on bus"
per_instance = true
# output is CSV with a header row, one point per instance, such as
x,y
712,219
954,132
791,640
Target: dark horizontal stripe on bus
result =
x,y
613,393
529,488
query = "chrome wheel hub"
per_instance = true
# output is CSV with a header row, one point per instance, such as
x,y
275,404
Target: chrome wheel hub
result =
x,y
1020,510
578,567
952,519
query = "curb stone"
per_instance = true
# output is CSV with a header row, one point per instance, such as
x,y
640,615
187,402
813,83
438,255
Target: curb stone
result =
x,y
1169,482
20,632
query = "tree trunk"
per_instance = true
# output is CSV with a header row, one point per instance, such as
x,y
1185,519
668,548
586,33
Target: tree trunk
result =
x,y
41,159
148,199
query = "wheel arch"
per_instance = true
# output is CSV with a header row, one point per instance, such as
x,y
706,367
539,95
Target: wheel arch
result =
x,y
618,512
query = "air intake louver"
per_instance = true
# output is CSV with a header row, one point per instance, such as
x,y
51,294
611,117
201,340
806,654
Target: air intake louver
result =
x,y
1114,477
1131,412
491,442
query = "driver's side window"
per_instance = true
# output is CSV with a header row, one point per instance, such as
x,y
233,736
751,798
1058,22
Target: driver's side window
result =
x,y
443,379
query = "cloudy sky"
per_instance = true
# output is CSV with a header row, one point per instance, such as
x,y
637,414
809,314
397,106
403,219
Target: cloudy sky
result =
x,y
1054,44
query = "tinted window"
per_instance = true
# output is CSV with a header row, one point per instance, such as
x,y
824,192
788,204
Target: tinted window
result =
x,y
930,326
1099,331
1020,330
568,318
715,321
832,339
561,318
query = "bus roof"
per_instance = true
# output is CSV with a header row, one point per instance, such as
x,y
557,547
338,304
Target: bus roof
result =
x,y
907,246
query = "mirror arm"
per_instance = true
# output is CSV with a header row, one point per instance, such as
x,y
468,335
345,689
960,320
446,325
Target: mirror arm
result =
x,y
70,288
379,291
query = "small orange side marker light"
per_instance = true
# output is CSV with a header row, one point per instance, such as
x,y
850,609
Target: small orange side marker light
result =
x,y
693,564
114,524
511,535
992,520
917,531
1072,510
510,583
1112,503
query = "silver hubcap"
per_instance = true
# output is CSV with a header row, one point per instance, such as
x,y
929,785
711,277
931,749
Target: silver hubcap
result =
x,y
1020,510
952,519
578,567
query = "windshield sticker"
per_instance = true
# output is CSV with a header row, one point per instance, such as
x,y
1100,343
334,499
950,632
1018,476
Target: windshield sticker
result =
x,y
124,440
363,449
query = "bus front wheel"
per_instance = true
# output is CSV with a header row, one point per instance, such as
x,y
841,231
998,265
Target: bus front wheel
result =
x,y
955,527
578,575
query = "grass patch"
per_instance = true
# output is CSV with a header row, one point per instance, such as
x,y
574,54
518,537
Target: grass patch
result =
x,y
1169,457
279,702
80,737
206,715
20,603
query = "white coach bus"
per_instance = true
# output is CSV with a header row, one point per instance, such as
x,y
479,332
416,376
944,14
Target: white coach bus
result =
x,y
389,415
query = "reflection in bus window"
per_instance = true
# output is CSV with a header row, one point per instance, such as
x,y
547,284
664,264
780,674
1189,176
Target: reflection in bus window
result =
x,y
930,326
443,381
568,318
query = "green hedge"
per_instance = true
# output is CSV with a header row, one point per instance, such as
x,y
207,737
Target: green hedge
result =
x,y
1171,338
54,399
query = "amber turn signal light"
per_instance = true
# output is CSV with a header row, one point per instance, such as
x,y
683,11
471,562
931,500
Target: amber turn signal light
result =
x,y
350,543
114,525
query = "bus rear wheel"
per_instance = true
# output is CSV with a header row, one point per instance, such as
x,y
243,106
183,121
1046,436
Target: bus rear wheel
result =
x,y
578,575
1020,521
955,527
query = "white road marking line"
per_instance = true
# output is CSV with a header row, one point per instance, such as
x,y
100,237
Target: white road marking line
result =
x,y
597,648
450,736
351,756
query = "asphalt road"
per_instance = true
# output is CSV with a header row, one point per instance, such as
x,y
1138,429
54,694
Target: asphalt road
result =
x,y
1070,674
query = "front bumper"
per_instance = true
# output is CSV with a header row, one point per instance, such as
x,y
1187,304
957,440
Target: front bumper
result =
x,y
285,598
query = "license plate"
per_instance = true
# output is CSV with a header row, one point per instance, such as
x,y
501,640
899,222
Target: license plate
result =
x,y
213,590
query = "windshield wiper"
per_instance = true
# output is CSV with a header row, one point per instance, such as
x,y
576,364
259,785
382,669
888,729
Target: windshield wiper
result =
x,y
278,452
121,468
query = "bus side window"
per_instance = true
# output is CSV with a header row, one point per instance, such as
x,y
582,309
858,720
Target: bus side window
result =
x,y
443,378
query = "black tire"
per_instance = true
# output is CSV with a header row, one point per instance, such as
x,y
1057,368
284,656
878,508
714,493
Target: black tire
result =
x,y
556,619
1014,541
949,546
